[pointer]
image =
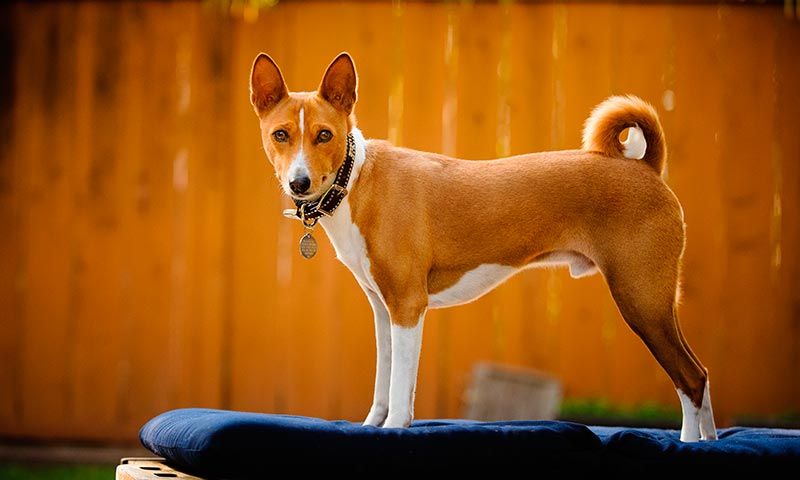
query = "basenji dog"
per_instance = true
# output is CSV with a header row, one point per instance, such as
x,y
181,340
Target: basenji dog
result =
x,y
421,230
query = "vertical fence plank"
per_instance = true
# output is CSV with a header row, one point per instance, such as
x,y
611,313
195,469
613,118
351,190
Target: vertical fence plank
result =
x,y
10,205
747,193
99,277
44,166
207,211
785,259
152,205
259,269
133,301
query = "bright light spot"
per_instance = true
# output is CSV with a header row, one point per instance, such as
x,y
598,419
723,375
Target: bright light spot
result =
x,y
669,100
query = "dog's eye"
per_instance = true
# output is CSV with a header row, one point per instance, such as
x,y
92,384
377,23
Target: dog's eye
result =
x,y
324,136
280,136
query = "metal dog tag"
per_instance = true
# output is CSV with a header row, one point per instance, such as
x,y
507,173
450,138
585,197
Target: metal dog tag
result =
x,y
308,246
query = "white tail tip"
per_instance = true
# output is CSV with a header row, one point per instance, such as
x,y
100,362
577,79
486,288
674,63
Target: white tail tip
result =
x,y
635,145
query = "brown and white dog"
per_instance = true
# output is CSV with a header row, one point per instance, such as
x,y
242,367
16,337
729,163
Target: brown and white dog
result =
x,y
421,230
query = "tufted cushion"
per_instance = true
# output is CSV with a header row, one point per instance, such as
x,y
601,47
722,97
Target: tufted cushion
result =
x,y
217,443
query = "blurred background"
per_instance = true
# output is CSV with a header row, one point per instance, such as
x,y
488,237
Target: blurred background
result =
x,y
145,264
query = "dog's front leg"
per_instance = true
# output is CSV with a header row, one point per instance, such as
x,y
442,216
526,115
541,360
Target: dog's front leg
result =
x,y
383,368
406,344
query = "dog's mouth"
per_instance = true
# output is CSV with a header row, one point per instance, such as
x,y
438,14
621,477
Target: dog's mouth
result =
x,y
304,197
325,183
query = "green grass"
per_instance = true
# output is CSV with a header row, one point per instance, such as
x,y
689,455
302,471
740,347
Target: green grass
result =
x,y
18,471
601,408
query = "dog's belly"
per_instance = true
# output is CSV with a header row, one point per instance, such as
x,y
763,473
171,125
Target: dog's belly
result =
x,y
481,280
473,284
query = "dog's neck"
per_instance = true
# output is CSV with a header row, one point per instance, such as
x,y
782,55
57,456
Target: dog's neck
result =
x,y
342,215
342,231
360,157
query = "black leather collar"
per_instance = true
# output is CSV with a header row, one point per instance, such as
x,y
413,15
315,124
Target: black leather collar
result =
x,y
311,212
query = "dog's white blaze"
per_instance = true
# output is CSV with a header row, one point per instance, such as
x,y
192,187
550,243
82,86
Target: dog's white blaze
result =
x,y
298,167
635,145
473,284
302,124
406,345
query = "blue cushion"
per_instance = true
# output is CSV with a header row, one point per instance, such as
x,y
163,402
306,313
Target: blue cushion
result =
x,y
217,443
749,449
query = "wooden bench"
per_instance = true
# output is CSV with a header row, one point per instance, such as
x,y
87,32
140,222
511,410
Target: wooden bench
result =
x,y
152,468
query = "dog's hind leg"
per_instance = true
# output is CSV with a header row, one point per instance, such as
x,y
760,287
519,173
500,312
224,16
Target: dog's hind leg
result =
x,y
708,430
646,297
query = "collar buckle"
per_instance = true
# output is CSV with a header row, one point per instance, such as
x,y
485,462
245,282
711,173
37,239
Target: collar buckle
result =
x,y
333,192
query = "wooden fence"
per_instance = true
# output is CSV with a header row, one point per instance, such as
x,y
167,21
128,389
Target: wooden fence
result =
x,y
144,263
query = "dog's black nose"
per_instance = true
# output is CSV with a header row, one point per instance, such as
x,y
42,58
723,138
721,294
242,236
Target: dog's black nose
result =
x,y
300,184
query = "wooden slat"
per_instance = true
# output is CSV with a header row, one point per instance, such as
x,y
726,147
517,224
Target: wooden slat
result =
x,y
100,190
44,169
10,202
748,195
152,207
257,360
148,469
133,299
785,259
208,208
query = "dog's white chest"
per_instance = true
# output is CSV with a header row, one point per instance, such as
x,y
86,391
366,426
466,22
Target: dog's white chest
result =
x,y
350,246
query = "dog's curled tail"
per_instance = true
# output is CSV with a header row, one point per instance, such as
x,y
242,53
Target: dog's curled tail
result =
x,y
645,138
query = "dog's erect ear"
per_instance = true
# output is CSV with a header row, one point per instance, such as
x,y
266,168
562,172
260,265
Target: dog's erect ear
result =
x,y
267,87
340,83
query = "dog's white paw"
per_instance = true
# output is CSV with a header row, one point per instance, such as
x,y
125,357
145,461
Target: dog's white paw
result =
x,y
377,415
397,421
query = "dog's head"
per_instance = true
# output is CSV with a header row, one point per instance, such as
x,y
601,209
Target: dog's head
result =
x,y
304,133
